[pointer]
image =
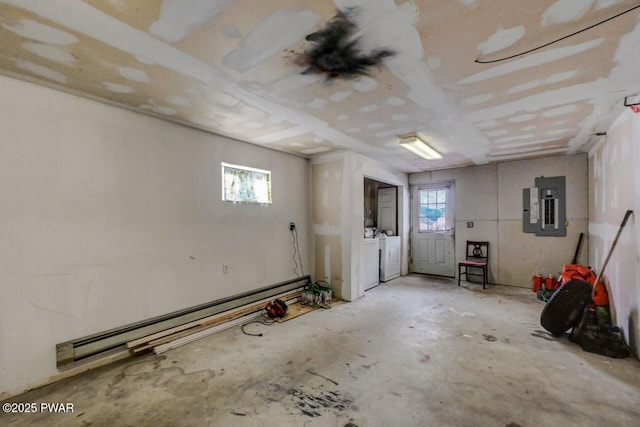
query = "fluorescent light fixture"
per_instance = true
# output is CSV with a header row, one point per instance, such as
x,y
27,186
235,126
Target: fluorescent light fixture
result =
x,y
419,147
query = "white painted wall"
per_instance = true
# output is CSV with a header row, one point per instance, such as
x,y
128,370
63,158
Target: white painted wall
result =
x,y
491,197
614,187
109,217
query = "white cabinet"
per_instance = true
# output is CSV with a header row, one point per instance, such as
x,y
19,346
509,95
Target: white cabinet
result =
x,y
370,265
389,257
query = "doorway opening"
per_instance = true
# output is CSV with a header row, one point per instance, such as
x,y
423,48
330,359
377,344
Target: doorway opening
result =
x,y
382,245
380,207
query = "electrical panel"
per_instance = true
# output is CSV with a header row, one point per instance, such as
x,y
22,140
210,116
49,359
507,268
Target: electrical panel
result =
x,y
544,207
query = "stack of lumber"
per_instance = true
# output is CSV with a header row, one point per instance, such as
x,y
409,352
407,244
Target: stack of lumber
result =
x,y
183,334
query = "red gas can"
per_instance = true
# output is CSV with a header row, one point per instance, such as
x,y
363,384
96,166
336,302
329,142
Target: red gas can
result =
x,y
551,283
536,282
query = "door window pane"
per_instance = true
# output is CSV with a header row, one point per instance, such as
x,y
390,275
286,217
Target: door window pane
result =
x,y
433,209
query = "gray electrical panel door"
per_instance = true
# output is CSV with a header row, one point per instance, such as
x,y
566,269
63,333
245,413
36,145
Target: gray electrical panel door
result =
x,y
544,207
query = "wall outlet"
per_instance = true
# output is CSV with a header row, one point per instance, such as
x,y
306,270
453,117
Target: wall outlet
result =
x,y
292,226
225,269
469,224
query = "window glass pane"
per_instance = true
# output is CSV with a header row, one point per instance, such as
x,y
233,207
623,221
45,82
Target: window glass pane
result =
x,y
244,184
423,197
441,221
432,211
432,214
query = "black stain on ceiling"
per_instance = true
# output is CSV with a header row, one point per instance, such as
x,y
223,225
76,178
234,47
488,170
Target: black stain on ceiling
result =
x,y
336,52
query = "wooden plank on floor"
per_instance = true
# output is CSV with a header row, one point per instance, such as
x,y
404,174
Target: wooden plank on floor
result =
x,y
205,332
295,310
211,320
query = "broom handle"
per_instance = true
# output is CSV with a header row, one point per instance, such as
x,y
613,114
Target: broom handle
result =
x,y
574,260
613,245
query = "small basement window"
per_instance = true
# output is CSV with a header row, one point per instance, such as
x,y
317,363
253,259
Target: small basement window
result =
x,y
245,184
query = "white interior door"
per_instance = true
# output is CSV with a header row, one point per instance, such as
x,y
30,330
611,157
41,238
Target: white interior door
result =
x,y
387,209
432,232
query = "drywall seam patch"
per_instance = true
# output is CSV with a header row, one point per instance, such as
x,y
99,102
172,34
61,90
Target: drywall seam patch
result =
x,y
327,263
258,45
179,100
340,95
286,133
395,101
368,108
477,99
41,71
43,33
50,52
365,84
501,39
565,109
527,143
514,138
498,132
179,18
315,150
133,74
118,88
521,118
253,125
565,11
318,104
327,230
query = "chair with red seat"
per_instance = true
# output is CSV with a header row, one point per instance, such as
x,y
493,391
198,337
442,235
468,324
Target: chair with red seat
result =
x,y
477,257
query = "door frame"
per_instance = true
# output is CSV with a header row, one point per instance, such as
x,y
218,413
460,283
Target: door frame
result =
x,y
450,219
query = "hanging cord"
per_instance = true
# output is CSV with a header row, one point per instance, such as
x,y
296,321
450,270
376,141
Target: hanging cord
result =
x,y
264,321
295,230
480,61
295,251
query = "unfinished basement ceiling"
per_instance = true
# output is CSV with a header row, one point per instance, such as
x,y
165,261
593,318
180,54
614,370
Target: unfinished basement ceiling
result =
x,y
238,68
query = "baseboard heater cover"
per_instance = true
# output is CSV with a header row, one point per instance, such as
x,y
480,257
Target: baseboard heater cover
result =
x,y
92,345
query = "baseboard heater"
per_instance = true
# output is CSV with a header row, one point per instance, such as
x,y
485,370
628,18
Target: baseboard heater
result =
x,y
92,345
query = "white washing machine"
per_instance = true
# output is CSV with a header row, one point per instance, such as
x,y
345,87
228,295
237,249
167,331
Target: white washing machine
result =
x,y
369,265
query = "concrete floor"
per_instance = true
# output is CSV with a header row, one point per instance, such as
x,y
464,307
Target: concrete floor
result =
x,y
416,351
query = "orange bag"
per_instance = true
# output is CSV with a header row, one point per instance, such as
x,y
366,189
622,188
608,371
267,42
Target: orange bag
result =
x,y
576,271
600,296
